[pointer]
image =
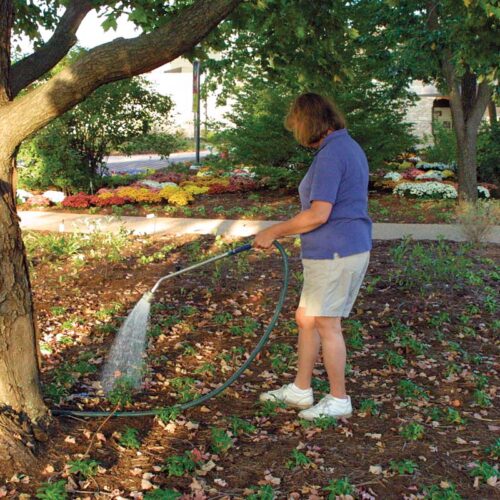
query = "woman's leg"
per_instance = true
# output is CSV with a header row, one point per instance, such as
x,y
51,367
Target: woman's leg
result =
x,y
334,353
308,348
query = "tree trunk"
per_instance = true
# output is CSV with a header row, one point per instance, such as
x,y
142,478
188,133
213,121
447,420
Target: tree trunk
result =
x,y
23,414
492,112
467,163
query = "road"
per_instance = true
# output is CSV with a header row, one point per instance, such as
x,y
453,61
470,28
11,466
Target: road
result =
x,y
124,164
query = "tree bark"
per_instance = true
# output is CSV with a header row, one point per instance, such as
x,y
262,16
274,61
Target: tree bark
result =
x,y
32,67
6,20
23,414
492,112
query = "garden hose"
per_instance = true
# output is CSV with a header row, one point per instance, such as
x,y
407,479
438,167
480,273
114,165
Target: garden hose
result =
x,y
202,399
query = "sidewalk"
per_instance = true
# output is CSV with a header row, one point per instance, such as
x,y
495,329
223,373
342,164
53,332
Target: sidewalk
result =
x,y
70,222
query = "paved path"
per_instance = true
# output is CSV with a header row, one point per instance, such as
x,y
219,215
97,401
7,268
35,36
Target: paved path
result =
x,y
70,222
122,164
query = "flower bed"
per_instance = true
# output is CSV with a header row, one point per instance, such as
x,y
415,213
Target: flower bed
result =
x,y
433,190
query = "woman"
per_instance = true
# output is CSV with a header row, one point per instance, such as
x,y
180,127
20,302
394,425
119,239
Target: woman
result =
x,y
336,241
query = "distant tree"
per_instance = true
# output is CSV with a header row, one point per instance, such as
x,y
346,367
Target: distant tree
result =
x,y
454,44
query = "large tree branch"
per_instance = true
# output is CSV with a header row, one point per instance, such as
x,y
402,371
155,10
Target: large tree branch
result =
x,y
6,20
109,62
32,67
483,97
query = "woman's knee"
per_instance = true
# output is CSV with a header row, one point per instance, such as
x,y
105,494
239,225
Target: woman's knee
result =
x,y
328,325
304,322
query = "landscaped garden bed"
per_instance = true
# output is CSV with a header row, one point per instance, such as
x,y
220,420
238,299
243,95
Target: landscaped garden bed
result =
x,y
420,370
408,195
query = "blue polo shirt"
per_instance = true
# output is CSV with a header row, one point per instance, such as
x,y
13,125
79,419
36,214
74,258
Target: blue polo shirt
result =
x,y
339,175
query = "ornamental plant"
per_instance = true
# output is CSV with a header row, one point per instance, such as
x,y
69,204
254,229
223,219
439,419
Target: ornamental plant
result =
x,y
79,200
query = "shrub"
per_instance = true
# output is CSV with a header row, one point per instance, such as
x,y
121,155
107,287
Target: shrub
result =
x,y
477,220
258,135
444,147
108,201
38,201
175,177
488,153
79,200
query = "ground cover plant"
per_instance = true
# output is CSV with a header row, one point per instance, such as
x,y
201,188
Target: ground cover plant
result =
x,y
424,426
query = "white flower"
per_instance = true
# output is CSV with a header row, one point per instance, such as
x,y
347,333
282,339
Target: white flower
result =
x,y
426,189
481,190
23,195
393,176
430,174
54,196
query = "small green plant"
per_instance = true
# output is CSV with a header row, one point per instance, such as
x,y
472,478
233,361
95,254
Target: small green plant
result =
x,y
298,459
239,425
265,492
268,408
130,438
435,413
188,349
338,487
169,413
412,431
221,440
369,407
403,466
58,311
453,416
184,387
86,468
482,398
413,345
52,491
223,318
121,394
409,390
393,359
481,381
320,385
162,495
484,471
178,465
445,491
206,369
494,449
355,338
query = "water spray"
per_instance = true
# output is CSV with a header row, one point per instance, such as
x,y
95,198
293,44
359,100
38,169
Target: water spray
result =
x,y
125,359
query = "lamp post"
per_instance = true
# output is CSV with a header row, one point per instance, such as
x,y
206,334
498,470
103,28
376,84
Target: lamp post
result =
x,y
196,107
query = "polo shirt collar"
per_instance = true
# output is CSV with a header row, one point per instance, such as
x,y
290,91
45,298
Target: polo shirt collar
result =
x,y
336,134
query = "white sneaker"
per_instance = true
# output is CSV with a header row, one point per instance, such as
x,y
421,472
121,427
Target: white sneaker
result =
x,y
328,407
290,395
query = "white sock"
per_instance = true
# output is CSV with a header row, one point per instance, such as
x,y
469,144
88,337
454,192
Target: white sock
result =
x,y
298,390
341,400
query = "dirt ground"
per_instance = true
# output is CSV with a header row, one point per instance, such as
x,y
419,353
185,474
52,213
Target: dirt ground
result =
x,y
204,325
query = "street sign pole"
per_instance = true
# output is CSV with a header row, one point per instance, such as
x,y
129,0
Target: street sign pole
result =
x,y
196,107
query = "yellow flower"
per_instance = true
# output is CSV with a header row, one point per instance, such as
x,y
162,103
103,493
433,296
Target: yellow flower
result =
x,y
168,191
181,198
194,189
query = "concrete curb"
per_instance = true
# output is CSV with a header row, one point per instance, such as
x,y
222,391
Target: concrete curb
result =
x,y
83,223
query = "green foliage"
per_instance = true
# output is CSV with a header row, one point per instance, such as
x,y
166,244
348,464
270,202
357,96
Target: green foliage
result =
x,y
453,416
161,494
168,414
448,491
152,143
130,438
121,393
412,431
298,459
338,487
86,468
52,491
444,147
268,408
369,406
178,465
482,398
239,425
403,466
484,471
488,153
257,135
494,449
393,359
265,492
221,440
409,390
69,153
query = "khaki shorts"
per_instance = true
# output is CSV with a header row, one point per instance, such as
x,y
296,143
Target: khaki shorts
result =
x,y
332,285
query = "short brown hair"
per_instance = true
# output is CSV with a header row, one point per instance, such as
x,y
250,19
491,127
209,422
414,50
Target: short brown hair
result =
x,y
311,116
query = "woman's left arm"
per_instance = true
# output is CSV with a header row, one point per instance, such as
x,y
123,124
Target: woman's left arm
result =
x,y
305,221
